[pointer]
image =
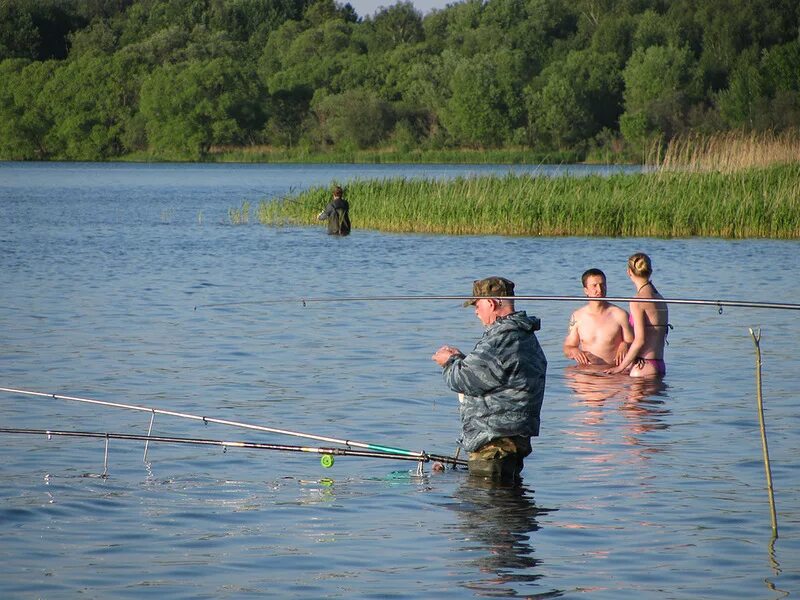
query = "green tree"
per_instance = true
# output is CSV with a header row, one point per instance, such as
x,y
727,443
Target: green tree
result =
x,y
164,46
764,89
191,106
19,37
657,93
581,96
313,56
398,25
288,111
353,119
89,106
98,37
38,29
418,84
782,74
477,113
652,29
615,34
180,75
781,67
24,116
741,102
252,20
145,18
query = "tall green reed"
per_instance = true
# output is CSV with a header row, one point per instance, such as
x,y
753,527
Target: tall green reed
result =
x,y
751,203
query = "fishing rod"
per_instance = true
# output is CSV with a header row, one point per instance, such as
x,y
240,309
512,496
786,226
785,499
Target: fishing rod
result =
x,y
701,302
325,452
413,454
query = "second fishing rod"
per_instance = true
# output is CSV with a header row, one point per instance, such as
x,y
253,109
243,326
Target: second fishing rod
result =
x,y
417,454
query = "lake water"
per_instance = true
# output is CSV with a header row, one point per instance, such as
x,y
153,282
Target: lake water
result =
x,y
632,491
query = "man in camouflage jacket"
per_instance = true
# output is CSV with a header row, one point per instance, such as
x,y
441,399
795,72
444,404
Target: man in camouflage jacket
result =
x,y
500,383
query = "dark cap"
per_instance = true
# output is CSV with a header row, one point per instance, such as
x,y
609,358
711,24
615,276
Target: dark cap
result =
x,y
490,287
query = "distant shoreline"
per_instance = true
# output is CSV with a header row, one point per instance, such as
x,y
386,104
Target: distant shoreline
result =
x,y
267,155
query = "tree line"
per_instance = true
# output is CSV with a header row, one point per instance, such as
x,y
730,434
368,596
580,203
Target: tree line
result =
x,y
99,79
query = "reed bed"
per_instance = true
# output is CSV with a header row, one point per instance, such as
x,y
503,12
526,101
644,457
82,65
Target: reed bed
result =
x,y
727,152
751,203
268,154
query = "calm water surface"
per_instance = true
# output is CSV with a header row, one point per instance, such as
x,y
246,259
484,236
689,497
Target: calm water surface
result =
x,y
632,491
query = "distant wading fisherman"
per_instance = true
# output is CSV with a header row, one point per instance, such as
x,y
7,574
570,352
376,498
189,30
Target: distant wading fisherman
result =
x,y
337,213
500,383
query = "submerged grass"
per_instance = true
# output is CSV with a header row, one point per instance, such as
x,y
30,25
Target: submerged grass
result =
x,y
747,203
240,216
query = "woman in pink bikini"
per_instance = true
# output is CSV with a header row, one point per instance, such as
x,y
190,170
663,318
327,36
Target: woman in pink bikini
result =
x,y
650,321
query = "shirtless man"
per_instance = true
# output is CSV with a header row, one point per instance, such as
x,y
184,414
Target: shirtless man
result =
x,y
599,333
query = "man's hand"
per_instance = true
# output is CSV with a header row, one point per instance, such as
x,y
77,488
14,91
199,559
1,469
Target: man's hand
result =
x,y
622,350
443,354
580,357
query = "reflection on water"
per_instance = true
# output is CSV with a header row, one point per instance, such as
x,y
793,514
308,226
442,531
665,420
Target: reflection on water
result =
x,y
659,488
500,521
636,399
316,491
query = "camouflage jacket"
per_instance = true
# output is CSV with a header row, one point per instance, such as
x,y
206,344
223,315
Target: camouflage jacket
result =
x,y
502,382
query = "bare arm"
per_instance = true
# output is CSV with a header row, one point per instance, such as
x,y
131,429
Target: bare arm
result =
x,y
572,343
637,312
627,339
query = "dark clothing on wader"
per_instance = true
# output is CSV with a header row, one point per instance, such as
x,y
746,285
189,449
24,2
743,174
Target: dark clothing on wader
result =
x,y
337,213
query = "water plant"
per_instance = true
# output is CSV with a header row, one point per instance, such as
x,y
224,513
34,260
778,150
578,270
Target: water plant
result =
x,y
751,203
742,185
241,215
726,152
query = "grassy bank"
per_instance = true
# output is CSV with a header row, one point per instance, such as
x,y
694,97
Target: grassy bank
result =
x,y
265,154
727,152
750,203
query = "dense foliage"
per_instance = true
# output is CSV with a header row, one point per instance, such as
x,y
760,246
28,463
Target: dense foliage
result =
x,y
98,79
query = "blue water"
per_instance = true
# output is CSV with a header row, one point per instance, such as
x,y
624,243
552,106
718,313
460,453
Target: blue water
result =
x,y
632,491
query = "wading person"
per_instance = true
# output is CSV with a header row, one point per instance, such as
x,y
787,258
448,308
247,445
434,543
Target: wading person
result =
x,y
337,213
650,320
500,383
599,333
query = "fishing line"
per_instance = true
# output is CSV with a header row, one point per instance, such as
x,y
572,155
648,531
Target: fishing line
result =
x,y
719,304
414,454
332,451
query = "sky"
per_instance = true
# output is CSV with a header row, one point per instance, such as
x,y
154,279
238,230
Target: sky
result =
x,y
366,8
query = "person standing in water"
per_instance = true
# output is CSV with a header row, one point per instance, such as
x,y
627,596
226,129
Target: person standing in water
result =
x,y
599,333
650,320
500,383
337,213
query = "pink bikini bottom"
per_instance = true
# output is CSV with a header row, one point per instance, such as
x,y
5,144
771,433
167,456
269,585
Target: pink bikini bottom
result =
x,y
658,363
